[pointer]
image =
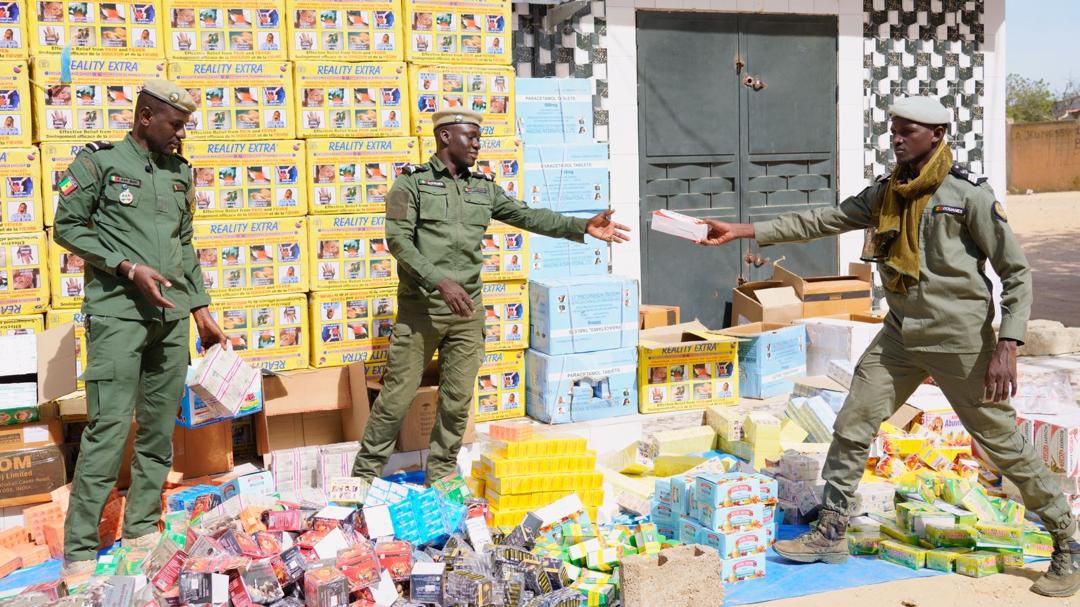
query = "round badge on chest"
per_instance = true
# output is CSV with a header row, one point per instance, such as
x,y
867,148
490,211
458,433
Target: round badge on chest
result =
x,y
126,197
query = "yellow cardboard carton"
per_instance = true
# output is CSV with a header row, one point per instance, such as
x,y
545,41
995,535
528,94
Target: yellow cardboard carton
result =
x,y
686,366
345,30
488,90
500,157
464,31
56,318
22,325
14,43
242,101
349,252
210,30
351,326
500,387
248,179
24,274
96,29
506,251
506,315
20,195
98,104
268,332
351,99
249,258
354,175
15,113
55,158
66,273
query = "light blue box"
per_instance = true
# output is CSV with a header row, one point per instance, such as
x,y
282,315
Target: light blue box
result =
x,y
195,413
567,177
580,387
576,315
771,356
554,110
561,258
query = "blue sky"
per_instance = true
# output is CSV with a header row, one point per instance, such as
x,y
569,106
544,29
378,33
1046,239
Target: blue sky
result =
x,y
1041,38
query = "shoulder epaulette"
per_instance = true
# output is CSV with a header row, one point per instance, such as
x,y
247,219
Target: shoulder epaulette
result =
x,y
961,173
97,146
182,159
882,178
410,169
486,176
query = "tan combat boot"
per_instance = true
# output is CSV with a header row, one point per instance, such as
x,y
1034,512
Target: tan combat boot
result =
x,y
824,543
1062,579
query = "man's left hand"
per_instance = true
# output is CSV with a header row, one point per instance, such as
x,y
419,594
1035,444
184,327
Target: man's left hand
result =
x,y
1000,381
602,228
209,331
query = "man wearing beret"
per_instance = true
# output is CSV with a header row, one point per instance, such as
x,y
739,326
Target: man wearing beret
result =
x,y
436,217
931,226
125,208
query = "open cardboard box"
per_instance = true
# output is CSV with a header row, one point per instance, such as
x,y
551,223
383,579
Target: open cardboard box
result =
x,y
312,407
34,370
652,316
415,433
767,301
824,295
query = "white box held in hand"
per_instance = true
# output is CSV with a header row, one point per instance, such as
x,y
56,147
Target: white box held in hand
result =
x,y
223,380
677,224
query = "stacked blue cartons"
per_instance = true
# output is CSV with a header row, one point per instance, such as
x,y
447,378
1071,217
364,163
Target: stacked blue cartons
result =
x,y
425,516
583,361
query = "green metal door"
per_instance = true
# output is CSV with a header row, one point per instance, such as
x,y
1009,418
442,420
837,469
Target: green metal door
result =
x,y
737,122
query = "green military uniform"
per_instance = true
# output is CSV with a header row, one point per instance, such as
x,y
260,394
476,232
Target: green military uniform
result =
x,y
121,202
434,225
940,328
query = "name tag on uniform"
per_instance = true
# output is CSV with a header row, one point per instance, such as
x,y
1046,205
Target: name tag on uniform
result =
x,y
471,190
949,210
437,184
125,181
179,187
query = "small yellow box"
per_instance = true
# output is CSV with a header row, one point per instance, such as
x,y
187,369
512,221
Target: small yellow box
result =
x,y
543,445
345,30
506,253
354,175
20,170
500,386
352,99
22,325
506,316
15,111
14,42
98,104
351,326
241,101
249,258
66,272
244,29
488,90
248,180
55,158
349,252
268,332
460,32
55,318
686,367
502,466
24,274
500,157
97,29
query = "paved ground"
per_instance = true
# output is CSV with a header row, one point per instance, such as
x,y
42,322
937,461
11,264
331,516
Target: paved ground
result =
x,y
1048,226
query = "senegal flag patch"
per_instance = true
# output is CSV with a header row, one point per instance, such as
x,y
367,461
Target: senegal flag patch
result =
x,y
66,186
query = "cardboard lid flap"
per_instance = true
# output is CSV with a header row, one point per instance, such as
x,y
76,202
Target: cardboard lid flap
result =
x,y
56,362
777,296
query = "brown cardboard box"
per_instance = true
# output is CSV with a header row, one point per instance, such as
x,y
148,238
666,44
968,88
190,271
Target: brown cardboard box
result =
x,y
825,295
297,430
46,359
27,436
28,475
657,316
306,390
768,301
203,451
312,407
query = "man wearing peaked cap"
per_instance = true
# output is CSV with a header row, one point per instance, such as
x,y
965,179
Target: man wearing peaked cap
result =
x,y
931,226
125,207
437,214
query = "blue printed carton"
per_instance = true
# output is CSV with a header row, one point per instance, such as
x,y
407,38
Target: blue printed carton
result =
x,y
554,110
561,258
746,516
567,177
576,315
736,543
771,356
722,490
742,568
580,387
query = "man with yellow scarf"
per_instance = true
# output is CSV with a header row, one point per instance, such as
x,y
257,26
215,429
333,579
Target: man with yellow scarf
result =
x,y
931,226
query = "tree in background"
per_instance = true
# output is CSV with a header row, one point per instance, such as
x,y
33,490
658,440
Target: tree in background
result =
x,y
1028,100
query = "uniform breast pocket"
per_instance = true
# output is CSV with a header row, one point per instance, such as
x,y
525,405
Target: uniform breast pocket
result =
x,y
433,206
122,195
477,211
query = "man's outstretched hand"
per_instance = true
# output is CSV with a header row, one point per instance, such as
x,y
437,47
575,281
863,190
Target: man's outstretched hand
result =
x,y
601,227
722,233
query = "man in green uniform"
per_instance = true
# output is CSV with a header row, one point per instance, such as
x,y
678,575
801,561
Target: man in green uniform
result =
x,y
436,216
125,208
931,227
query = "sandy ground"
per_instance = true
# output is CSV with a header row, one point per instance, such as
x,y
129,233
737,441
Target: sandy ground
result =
x,y
1048,226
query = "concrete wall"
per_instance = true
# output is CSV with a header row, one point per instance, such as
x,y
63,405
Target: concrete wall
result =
x,y
1044,156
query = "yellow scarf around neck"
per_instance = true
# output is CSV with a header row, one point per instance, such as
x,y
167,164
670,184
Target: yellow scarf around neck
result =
x,y
901,211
